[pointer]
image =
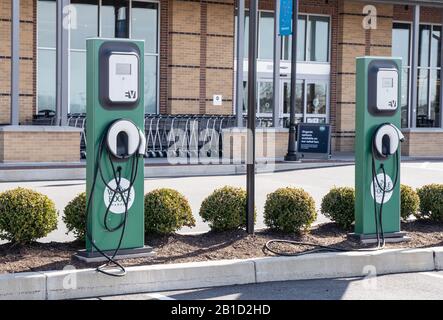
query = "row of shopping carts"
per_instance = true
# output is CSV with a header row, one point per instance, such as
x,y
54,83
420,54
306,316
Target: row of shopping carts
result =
x,y
174,135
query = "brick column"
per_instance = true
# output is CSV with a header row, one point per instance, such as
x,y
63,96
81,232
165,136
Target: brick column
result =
x,y
355,41
27,85
184,62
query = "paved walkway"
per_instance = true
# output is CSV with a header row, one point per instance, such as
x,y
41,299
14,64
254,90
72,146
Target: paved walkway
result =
x,y
316,181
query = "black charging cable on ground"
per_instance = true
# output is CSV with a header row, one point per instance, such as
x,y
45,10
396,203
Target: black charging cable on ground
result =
x,y
118,190
378,214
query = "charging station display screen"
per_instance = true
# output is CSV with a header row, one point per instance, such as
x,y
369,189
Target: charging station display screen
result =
x,y
388,82
123,69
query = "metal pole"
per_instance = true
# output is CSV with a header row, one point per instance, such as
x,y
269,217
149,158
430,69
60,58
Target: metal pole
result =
x,y
414,66
277,53
15,62
240,59
252,105
292,152
129,19
62,64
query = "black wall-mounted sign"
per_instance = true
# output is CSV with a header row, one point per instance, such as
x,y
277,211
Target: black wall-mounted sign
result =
x,y
313,139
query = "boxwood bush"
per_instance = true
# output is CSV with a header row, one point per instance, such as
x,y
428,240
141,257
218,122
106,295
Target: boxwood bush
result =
x,y
410,202
225,209
339,205
74,216
289,210
166,211
26,215
431,202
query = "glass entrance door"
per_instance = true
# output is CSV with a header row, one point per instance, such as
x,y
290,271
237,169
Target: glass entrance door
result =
x,y
285,98
316,102
311,101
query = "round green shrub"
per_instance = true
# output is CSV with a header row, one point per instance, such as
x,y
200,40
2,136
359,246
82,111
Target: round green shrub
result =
x,y
289,210
339,206
431,202
225,209
166,211
410,202
26,215
74,216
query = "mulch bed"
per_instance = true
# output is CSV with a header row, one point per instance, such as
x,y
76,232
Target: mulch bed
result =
x,y
204,247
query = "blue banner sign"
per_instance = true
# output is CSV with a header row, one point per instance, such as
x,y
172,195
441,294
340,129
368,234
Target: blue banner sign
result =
x,y
286,17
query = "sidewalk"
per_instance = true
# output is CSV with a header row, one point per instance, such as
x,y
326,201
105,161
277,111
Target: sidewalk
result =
x,y
161,167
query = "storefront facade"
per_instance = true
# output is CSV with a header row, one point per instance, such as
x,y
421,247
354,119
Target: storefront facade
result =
x,y
191,56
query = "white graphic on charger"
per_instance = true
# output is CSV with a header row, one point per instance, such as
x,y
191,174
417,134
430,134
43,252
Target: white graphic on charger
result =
x,y
379,191
118,205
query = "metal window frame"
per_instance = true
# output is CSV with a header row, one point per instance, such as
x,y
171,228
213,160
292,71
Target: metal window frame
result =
x,y
410,122
99,32
15,63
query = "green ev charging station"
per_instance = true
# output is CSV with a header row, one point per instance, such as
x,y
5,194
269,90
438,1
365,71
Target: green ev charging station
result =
x,y
377,150
115,149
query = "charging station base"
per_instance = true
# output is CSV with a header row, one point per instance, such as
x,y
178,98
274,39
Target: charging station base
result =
x,y
94,256
393,237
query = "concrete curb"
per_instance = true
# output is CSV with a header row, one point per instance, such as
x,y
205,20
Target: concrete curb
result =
x,y
23,286
71,284
344,264
438,258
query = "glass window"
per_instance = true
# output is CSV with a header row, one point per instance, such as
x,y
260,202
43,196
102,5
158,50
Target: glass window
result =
x,y
423,55
316,98
400,42
78,82
87,24
108,20
266,36
115,18
87,27
46,90
46,55
265,92
245,96
246,49
299,98
428,77
422,98
435,47
115,24
301,44
150,84
144,24
46,16
318,45
434,119
405,98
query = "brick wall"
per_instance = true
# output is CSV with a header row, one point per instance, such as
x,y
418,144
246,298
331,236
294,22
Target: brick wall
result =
x,y
200,56
27,60
39,144
425,143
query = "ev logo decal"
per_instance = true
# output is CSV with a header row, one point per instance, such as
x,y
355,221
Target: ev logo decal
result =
x,y
118,205
131,94
379,191
393,104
